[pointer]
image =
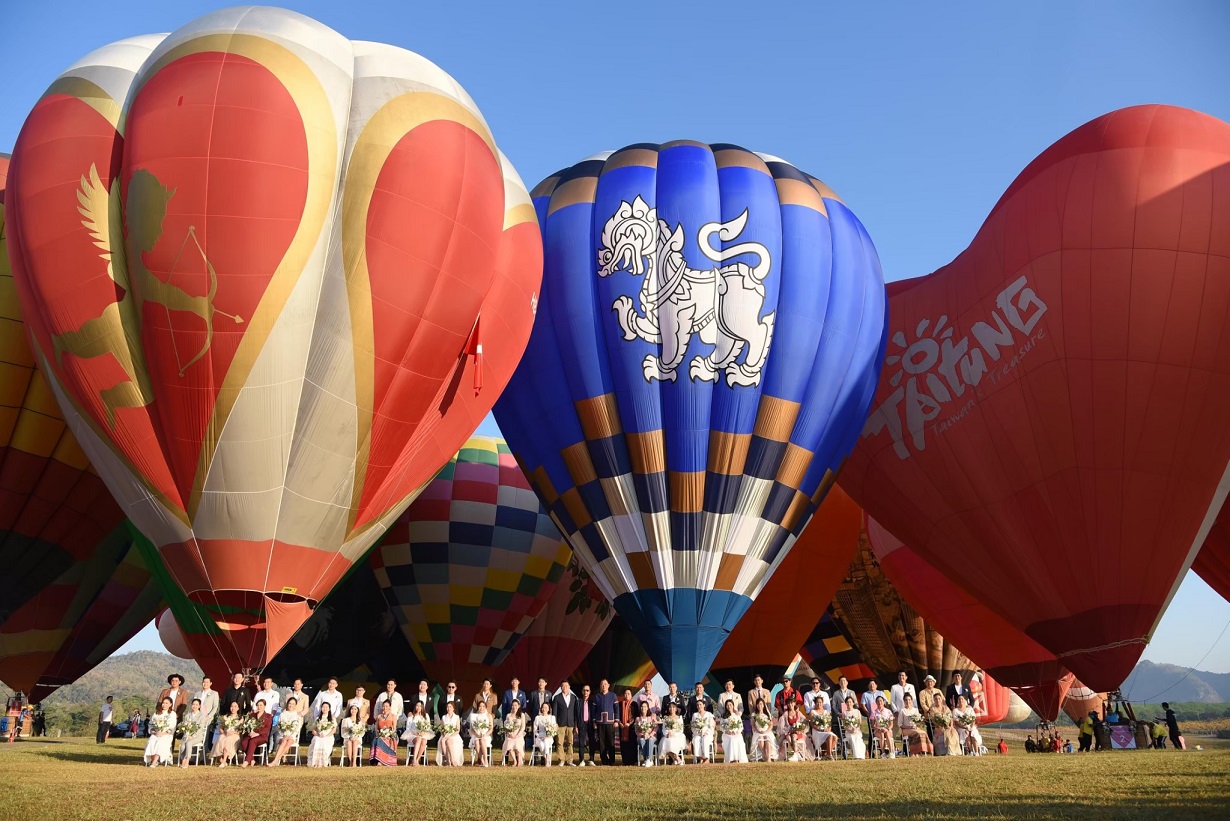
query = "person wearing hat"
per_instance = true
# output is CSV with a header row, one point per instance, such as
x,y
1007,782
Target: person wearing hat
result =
x,y
926,700
179,699
786,697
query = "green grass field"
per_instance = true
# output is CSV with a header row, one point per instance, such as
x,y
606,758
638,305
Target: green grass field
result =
x,y
74,778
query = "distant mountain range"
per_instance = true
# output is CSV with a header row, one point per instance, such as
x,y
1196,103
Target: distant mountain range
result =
x,y
135,680
1153,683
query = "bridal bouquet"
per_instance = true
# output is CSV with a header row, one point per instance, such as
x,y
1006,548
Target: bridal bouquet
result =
x,y
912,716
732,725
353,730
248,725
325,727
798,727
387,733
645,727
852,722
480,726
230,723
883,721
941,719
446,729
702,724
288,726
820,721
762,722
967,720
673,724
552,727
510,725
421,725
189,728
160,725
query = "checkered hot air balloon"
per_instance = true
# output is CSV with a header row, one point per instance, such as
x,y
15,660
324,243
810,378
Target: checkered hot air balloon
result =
x,y
704,355
258,262
470,564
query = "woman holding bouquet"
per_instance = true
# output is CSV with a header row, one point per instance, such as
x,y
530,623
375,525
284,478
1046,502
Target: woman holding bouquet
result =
x,y
260,723
514,734
881,723
646,727
734,750
384,747
852,728
228,735
353,730
966,720
673,740
161,734
947,742
702,733
544,731
418,733
913,728
823,740
193,729
290,722
792,727
323,731
450,736
763,740
480,731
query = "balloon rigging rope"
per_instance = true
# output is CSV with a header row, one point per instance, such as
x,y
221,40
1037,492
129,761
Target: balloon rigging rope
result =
x,y
1191,669
1114,645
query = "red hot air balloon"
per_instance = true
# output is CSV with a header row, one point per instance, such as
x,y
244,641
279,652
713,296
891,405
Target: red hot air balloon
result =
x,y
1012,658
1213,561
1050,426
260,262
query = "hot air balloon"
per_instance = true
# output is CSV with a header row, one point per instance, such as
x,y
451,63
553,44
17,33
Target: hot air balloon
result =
x,y
1054,400
1011,657
769,635
1213,561
709,329
1080,701
557,642
829,651
469,565
1018,710
171,636
617,656
263,305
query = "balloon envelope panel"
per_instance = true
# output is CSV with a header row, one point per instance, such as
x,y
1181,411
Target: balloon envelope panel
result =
x,y
1213,561
707,339
250,303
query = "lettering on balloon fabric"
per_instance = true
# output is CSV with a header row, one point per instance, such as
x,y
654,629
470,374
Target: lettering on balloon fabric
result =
x,y
937,378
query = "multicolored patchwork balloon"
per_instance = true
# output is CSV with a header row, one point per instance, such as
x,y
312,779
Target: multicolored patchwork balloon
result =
x,y
707,343
259,263
469,565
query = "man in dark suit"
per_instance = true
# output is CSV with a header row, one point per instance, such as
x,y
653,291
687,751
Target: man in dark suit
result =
x,y
237,693
673,696
603,714
566,708
423,696
699,695
956,689
450,696
538,698
586,735
513,693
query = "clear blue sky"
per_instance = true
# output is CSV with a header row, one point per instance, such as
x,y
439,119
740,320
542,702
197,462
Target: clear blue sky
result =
x,y
919,115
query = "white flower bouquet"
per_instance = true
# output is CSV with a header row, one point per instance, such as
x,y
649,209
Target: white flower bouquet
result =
x,y
325,727
160,725
510,725
645,727
387,733
732,725
189,728
967,720
852,722
702,724
480,726
288,726
230,723
820,721
672,724
761,722
940,719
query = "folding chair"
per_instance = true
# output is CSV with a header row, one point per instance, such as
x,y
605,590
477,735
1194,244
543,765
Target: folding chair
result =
x,y
358,760
410,753
640,753
261,754
196,754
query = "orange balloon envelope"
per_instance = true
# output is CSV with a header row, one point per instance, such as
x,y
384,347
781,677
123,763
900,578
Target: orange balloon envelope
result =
x,y
1080,701
773,629
259,263
1213,561
1012,658
1053,403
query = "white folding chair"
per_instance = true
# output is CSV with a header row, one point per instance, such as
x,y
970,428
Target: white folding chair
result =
x,y
410,754
358,759
196,754
640,754
261,754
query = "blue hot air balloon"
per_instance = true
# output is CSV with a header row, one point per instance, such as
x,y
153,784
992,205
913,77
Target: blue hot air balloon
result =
x,y
705,351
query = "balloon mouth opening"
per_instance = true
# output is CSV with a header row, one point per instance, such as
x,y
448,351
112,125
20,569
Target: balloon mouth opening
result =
x,y
239,610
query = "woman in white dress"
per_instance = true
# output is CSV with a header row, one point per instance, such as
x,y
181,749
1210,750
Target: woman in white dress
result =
x,y
543,737
702,734
353,729
514,734
734,750
792,728
290,721
823,739
852,728
763,740
320,750
161,734
966,720
673,740
418,733
193,740
450,736
481,728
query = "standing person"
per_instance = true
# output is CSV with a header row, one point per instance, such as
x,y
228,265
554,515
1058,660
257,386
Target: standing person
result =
x,y
364,704
758,693
584,743
514,733
290,723
423,696
764,744
628,710
567,711
734,750
324,728
451,696
728,695
210,704
955,691
333,698
1085,740
648,696
538,698
258,735
815,694
272,698
391,697
868,702
194,732
898,692
353,730
604,715
786,696
513,693
486,695
104,720
384,745
237,693
179,699
162,730
673,696
1172,726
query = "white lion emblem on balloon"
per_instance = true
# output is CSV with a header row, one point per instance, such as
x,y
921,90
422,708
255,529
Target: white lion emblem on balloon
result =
x,y
720,305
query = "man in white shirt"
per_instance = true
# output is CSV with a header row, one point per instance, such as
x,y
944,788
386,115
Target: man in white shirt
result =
x,y
104,720
393,697
815,694
423,696
272,698
332,695
898,692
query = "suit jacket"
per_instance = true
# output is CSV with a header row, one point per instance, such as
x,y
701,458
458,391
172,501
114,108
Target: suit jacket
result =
x,y
709,705
950,694
459,707
209,705
538,699
679,699
509,697
262,729
567,714
240,695
180,705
